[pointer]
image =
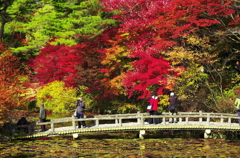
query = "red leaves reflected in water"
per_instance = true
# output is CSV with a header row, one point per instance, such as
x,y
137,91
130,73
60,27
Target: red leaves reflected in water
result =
x,y
45,138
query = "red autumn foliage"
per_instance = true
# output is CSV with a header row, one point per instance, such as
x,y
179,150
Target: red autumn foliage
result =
x,y
76,65
56,63
157,25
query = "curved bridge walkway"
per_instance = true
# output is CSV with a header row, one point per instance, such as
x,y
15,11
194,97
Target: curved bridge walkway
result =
x,y
138,122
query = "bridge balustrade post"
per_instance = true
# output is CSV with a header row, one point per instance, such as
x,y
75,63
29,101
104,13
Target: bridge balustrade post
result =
x,y
187,119
208,119
200,118
52,126
116,120
229,121
221,120
120,122
180,119
138,119
73,122
141,119
164,120
97,122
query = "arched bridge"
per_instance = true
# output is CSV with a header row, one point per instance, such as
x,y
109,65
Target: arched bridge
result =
x,y
138,122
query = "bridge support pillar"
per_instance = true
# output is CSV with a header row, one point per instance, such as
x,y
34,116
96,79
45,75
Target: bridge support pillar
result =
x,y
207,133
141,133
75,135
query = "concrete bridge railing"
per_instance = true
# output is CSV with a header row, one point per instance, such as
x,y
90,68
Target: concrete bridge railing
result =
x,y
140,119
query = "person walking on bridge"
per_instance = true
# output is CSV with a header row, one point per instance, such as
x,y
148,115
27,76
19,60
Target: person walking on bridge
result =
x,y
173,106
237,103
154,108
42,116
80,104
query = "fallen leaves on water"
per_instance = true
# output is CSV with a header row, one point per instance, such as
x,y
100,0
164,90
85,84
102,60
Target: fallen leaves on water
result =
x,y
118,148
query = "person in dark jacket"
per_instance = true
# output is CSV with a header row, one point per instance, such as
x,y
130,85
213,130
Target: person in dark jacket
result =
x,y
42,116
23,121
173,106
154,110
80,104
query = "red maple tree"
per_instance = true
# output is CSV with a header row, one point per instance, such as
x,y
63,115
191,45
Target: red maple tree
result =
x,y
76,65
56,63
157,25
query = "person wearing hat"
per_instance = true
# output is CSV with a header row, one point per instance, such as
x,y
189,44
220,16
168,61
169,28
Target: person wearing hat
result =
x,y
80,104
173,106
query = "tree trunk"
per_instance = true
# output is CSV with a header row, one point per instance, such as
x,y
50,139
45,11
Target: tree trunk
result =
x,y
3,14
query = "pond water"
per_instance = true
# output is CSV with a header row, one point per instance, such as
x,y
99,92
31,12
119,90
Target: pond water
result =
x,y
105,146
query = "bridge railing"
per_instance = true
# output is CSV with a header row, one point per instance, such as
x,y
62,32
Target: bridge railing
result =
x,y
97,118
186,118
201,120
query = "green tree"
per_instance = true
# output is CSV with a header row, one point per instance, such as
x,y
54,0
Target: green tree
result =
x,y
14,13
67,21
4,4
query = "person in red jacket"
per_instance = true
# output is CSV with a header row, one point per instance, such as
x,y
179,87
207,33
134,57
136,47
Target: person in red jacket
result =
x,y
154,110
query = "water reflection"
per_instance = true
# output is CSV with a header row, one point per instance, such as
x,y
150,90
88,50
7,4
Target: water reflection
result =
x,y
120,148
141,150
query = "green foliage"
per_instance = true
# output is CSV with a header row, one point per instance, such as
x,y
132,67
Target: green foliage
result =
x,y
192,89
191,80
226,102
57,98
199,92
19,12
235,79
67,21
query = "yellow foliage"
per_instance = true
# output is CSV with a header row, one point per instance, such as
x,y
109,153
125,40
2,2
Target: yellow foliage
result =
x,y
163,100
126,107
56,97
170,83
125,34
115,63
116,85
189,53
113,54
195,40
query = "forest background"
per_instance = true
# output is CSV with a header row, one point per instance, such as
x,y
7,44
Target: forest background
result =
x,y
115,53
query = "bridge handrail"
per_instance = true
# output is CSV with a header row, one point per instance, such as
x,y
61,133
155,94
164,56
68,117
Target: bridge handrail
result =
x,y
119,115
141,117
